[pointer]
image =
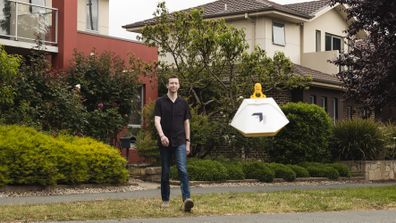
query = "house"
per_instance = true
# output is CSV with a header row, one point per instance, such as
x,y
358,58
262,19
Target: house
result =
x,y
309,33
64,26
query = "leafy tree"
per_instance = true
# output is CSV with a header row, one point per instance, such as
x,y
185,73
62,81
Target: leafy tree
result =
x,y
212,62
9,67
107,85
215,69
371,77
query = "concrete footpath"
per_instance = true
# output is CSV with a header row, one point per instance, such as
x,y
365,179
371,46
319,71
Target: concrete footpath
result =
x,y
175,192
379,216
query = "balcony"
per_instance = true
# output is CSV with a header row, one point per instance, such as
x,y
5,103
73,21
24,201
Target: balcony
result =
x,y
28,26
320,61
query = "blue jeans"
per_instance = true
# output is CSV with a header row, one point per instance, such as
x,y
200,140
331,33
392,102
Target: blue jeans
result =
x,y
181,163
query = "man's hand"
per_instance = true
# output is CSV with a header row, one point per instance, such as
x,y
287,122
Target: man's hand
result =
x,y
188,148
164,141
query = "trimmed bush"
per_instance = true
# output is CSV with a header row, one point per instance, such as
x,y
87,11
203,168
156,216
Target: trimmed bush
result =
x,y
258,170
389,132
342,169
321,170
300,171
34,158
283,171
357,139
234,170
305,138
203,170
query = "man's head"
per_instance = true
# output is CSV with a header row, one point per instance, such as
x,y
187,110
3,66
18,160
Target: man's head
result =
x,y
173,84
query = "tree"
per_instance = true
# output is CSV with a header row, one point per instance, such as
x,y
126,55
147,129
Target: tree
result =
x,y
214,66
9,67
371,75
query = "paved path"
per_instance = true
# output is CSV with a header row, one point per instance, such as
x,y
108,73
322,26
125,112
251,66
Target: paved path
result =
x,y
382,216
176,192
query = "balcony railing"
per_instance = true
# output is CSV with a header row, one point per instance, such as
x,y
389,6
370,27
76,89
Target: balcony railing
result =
x,y
27,22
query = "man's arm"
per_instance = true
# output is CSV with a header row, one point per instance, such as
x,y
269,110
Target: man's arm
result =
x,y
187,130
164,139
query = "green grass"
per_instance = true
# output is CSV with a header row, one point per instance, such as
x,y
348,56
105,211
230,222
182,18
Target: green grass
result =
x,y
210,204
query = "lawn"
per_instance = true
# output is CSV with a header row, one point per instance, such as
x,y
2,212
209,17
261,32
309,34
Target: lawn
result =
x,y
210,204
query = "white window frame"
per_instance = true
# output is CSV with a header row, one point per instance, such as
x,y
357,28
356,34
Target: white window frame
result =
x,y
331,42
323,103
278,27
335,109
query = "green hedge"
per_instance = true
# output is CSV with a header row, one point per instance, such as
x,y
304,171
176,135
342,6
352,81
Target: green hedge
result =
x,y
283,171
305,138
299,170
258,170
321,170
203,170
33,158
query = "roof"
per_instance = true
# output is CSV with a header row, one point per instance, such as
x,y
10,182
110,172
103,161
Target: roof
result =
x,y
222,8
309,8
316,75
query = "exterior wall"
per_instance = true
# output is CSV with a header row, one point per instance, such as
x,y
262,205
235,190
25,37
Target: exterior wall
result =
x,y
259,32
122,48
376,170
330,95
330,22
320,61
103,25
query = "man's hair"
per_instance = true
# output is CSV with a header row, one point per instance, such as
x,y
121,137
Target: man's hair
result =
x,y
172,76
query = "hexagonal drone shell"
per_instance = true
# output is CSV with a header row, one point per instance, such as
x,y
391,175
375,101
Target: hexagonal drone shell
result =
x,y
259,117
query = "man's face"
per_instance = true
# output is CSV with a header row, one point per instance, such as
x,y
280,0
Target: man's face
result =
x,y
173,85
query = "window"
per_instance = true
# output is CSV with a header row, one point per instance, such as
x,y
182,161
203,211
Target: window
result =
x,y
323,103
92,14
312,99
335,109
333,43
36,9
318,37
349,112
278,33
136,119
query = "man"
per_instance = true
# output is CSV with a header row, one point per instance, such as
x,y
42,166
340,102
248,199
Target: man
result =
x,y
172,121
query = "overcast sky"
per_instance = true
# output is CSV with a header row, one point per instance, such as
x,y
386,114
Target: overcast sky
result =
x,y
124,12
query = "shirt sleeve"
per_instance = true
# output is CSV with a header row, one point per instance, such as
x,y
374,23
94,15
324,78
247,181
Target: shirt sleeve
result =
x,y
157,108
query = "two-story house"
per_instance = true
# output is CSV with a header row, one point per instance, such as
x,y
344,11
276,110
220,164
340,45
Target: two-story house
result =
x,y
64,26
309,33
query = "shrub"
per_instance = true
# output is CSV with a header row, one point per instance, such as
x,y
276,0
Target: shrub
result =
x,y
321,170
300,171
34,158
357,139
342,169
258,170
203,170
283,171
389,133
146,143
234,170
305,138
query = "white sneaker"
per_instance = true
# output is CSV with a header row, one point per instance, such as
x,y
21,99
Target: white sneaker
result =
x,y
165,204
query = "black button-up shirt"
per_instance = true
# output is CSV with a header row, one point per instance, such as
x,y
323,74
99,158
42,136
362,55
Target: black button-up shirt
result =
x,y
173,115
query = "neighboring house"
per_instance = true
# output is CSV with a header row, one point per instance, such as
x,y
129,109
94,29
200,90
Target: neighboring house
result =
x,y
309,33
65,26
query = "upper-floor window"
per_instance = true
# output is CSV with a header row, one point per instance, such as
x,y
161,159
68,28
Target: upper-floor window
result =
x,y
278,33
333,43
318,41
92,14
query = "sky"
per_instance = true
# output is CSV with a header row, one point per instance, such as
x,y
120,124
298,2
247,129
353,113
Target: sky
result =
x,y
123,12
